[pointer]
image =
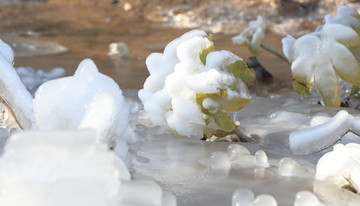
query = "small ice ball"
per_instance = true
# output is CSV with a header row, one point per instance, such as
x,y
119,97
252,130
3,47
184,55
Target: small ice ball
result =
x,y
261,159
305,198
265,200
289,168
236,150
244,161
243,197
219,161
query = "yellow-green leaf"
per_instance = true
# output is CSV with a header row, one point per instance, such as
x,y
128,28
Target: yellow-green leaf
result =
x,y
235,104
301,86
224,121
205,52
240,70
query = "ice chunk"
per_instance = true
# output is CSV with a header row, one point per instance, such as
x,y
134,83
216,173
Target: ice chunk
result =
x,y
245,197
289,168
219,161
305,198
139,192
317,138
12,90
236,150
261,159
88,99
341,166
68,167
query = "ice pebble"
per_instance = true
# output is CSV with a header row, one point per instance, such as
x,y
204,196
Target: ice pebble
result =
x,y
168,199
246,197
219,161
305,198
289,168
261,159
244,161
236,150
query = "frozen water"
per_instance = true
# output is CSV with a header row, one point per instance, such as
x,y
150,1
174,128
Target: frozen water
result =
x,y
261,159
32,78
12,90
219,161
305,198
42,168
87,99
139,192
245,197
290,168
119,50
236,150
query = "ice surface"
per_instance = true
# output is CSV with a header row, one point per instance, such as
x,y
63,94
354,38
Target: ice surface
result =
x,y
219,161
68,167
88,99
12,90
34,78
245,197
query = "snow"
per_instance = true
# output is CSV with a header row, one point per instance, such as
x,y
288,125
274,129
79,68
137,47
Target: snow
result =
x,y
88,99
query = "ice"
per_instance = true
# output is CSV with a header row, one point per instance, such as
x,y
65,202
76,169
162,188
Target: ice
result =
x,y
317,138
32,78
305,198
87,99
68,167
245,197
219,161
237,150
12,90
139,192
261,159
290,168
340,166
119,50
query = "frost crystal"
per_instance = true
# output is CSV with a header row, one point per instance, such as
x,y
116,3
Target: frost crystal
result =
x,y
88,99
191,87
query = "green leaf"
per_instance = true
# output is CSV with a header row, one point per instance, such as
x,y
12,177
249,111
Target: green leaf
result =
x,y
224,121
354,90
205,52
240,70
235,104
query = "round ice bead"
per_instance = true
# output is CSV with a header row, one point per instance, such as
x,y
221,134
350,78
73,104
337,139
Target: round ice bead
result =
x,y
219,161
265,200
305,198
288,167
243,197
261,159
237,150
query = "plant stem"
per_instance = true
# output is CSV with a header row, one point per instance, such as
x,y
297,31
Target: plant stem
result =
x,y
275,51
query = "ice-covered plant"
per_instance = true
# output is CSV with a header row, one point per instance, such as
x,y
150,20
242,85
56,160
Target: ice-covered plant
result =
x,y
12,90
192,88
252,36
341,166
320,58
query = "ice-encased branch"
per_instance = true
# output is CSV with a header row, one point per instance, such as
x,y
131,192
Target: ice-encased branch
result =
x,y
12,90
315,139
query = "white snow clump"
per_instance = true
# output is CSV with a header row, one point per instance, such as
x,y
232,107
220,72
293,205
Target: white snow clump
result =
x,y
89,99
191,87
12,90
341,166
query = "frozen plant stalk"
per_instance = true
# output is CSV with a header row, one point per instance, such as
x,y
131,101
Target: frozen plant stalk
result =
x,y
191,87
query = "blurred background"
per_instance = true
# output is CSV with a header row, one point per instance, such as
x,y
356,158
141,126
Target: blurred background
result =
x,y
60,33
